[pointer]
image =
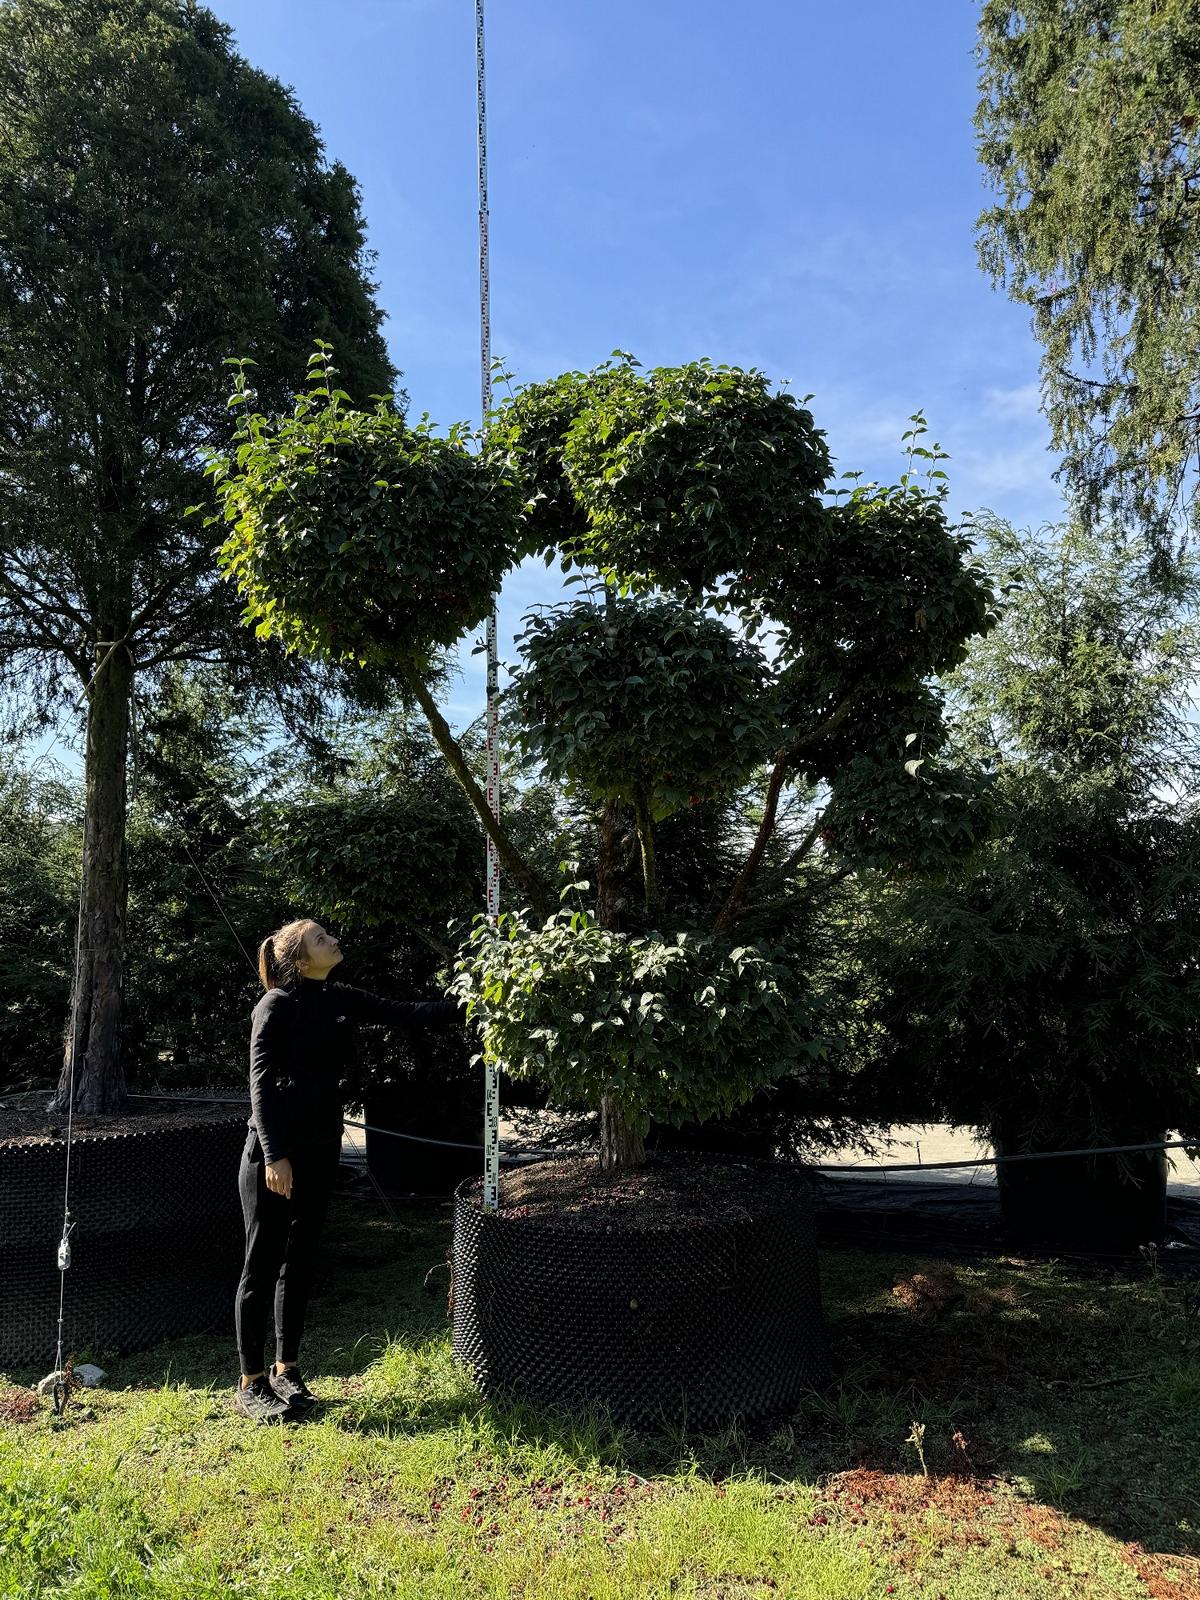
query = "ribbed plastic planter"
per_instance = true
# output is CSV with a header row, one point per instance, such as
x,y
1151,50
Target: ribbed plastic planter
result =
x,y
701,1322
1106,1203
156,1249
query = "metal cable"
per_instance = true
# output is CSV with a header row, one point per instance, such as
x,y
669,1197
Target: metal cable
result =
x,y
491,1088
908,1166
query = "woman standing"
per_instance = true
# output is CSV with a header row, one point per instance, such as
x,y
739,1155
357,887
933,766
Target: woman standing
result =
x,y
299,1044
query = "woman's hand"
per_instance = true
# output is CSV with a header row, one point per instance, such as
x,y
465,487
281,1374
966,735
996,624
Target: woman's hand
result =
x,y
279,1177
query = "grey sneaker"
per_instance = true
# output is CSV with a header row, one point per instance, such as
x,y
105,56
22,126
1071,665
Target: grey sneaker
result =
x,y
289,1387
258,1401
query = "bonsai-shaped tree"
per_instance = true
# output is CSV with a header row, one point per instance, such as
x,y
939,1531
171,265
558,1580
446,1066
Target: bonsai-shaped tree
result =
x,y
694,496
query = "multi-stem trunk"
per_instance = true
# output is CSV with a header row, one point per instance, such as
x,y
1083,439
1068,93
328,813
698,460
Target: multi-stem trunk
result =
x,y
609,901
621,1145
645,833
93,1041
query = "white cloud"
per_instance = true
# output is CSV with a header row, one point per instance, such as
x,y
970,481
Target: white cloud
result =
x,y
1022,404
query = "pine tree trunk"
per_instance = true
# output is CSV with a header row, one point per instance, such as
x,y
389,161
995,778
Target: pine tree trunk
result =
x,y
93,1038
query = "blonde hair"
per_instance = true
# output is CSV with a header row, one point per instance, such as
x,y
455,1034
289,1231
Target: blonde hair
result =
x,y
280,952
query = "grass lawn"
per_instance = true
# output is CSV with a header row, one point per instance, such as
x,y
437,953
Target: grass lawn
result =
x,y
1039,1480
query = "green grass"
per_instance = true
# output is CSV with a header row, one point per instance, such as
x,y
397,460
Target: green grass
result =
x,y
410,1485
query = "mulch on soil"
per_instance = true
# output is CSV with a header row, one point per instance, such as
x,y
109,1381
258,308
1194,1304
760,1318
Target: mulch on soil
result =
x,y
672,1190
33,1124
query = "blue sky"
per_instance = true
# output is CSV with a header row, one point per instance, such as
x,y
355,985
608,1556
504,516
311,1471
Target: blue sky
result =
x,y
781,183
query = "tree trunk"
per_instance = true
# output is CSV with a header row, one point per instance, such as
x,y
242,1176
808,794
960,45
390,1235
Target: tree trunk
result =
x,y
93,1039
621,1145
608,901
645,833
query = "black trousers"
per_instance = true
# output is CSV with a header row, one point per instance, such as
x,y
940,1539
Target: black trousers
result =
x,y
282,1238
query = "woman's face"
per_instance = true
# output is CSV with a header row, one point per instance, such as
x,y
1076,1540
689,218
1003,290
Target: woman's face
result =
x,y
320,952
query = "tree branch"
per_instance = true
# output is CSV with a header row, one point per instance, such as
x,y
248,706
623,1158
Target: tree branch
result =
x,y
784,756
802,849
801,897
40,637
167,589
510,857
61,603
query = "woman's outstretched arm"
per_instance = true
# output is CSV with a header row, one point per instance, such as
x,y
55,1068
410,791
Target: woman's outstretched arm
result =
x,y
412,1015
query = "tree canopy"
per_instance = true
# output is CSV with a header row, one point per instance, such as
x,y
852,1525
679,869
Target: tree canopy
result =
x,y
694,495
163,207
1089,129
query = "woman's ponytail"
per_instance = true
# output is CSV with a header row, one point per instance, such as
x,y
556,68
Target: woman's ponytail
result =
x,y
279,955
266,963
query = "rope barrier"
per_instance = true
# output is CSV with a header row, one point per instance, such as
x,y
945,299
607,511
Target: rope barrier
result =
x,y
368,1127
904,1166
1029,1155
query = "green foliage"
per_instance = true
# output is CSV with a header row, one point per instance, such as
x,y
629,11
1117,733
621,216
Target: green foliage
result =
x,y
673,1030
39,897
163,205
642,698
1093,671
1050,982
1089,120
700,482
695,472
529,435
1053,987
683,476
199,881
903,812
384,856
354,536
886,597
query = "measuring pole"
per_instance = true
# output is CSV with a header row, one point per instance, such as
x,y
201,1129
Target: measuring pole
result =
x,y
491,1088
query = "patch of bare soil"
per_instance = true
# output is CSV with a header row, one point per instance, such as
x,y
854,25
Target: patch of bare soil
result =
x,y
18,1405
570,1506
33,1124
671,1190
932,1291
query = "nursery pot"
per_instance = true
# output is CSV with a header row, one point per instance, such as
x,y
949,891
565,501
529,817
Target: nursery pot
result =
x,y
156,1247
700,1321
1106,1203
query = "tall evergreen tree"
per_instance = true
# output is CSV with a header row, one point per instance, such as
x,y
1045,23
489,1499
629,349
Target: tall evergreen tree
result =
x,y
1089,124
163,207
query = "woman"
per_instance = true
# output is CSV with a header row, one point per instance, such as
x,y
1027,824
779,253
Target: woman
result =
x,y
299,1043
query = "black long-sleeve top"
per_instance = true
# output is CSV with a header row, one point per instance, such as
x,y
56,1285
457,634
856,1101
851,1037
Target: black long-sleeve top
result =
x,y
300,1044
